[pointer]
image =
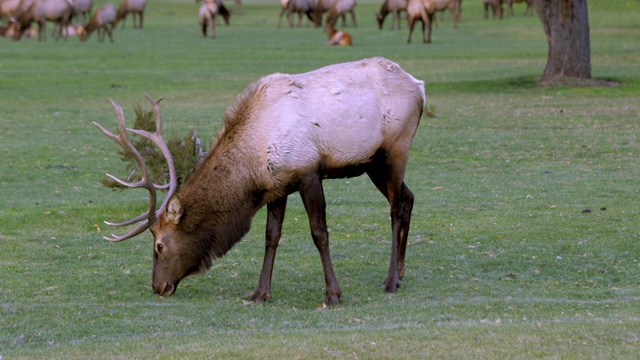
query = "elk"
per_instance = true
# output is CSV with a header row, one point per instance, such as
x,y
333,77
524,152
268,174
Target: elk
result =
x,y
341,38
41,11
284,134
496,8
207,18
134,7
103,20
416,10
8,8
394,7
82,8
334,8
442,5
300,7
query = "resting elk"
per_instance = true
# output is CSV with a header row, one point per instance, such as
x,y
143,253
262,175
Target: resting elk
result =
x,y
133,7
104,21
285,133
337,37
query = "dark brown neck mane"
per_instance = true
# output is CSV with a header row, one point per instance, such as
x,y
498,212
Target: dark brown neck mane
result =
x,y
221,197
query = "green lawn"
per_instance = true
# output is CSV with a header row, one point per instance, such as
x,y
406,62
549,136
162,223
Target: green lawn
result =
x,y
524,239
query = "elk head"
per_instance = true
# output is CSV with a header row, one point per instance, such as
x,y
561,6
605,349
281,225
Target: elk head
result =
x,y
171,262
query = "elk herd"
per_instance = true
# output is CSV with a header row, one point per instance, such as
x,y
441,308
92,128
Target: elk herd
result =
x,y
75,17
69,18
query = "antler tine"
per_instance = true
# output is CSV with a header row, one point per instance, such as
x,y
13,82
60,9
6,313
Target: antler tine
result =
x,y
137,231
123,140
157,139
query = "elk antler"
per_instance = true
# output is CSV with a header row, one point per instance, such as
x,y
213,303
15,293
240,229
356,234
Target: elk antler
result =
x,y
150,217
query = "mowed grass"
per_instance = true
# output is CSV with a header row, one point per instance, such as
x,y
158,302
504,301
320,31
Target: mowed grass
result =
x,y
524,238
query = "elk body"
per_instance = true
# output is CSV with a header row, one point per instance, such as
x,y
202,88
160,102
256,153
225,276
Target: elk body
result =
x,y
495,6
41,11
395,7
82,8
334,9
207,18
285,134
135,8
104,21
300,7
8,8
442,5
337,37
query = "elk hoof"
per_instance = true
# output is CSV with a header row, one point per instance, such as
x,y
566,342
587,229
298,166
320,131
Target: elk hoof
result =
x,y
391,285
260,296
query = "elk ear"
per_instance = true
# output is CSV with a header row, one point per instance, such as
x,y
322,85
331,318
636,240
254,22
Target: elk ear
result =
x,y
174,210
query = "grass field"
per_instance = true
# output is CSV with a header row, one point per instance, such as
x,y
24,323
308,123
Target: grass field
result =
x,y
524,239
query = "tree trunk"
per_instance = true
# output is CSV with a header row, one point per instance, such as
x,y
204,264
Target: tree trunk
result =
x,y
566,24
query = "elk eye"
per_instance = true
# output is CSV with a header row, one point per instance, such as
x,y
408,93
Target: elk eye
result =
x,y
160,247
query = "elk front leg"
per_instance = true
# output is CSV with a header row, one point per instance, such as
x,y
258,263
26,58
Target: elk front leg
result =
x,y
314,203
275,217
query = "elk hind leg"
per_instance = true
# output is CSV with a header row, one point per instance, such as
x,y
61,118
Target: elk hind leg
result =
x,y
388,179
314,203
275,217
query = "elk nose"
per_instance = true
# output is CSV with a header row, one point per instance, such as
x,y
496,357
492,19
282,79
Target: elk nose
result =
x,y
165,289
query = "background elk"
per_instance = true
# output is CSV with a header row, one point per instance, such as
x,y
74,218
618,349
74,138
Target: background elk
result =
x,y
41,11
417,10
207,18
529,9
441,5
8,8
82,10
395,7
285,134
300,7
496,8
104,21
332,7
341,38
133,7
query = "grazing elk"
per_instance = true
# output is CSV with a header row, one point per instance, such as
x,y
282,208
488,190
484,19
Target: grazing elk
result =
x,y
417,10
300,7
441,5
133,7
496,8
334,9
207,18
285,133
104,21
341,37
41,11
7,9
395,7
82,9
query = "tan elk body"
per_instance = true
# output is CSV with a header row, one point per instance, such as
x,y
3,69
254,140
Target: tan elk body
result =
x,y
395,7
207,15
286,133
135,8
41,11
103,21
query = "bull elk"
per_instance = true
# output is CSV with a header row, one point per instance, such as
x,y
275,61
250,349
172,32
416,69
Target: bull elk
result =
x,y
285,133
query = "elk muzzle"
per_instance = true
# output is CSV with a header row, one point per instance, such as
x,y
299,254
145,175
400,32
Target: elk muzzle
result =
x,y
165,289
